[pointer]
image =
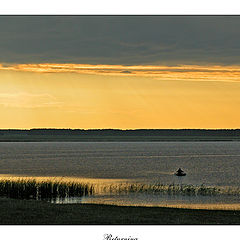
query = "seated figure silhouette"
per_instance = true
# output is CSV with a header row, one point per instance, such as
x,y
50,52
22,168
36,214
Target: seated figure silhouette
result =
x,y
180,172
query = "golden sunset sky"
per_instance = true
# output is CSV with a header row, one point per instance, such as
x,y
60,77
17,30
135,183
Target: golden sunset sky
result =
x,y
94,96
125,73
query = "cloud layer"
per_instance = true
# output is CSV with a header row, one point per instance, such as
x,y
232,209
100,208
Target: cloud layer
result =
x,y
181,72
133,40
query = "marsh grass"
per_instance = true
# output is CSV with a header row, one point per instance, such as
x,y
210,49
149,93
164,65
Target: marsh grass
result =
x,y
40,188
66,187
171,189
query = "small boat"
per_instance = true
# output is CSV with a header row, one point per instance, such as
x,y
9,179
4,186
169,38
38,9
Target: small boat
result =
x,y
180,173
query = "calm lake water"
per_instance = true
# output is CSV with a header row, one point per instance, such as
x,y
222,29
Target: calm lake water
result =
x,y
208,163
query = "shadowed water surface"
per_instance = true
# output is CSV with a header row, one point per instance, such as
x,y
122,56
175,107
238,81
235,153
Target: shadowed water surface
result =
x,y
208,163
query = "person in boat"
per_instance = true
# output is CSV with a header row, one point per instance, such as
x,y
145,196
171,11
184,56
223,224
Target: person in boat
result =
x,y
180,171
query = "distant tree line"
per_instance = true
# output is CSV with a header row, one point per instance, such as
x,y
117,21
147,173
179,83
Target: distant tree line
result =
x,y
118,132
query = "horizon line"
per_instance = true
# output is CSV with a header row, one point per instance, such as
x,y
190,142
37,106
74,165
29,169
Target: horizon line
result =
x,y
127,129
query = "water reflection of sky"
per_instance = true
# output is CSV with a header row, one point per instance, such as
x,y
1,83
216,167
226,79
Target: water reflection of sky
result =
x,y
209,163
141,199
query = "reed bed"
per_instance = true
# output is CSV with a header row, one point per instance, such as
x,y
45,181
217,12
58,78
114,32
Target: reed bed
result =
x,y
40,188
171,189
66,187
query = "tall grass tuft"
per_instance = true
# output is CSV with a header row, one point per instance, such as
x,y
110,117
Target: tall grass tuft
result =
x,y
40,188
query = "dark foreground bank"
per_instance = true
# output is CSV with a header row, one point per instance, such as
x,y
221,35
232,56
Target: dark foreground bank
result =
x,y
40,212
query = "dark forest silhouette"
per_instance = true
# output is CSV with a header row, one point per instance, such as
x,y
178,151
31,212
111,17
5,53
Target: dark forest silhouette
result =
x,y
118,132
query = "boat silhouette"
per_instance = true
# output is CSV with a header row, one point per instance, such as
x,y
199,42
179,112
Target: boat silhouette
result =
x,y
180,173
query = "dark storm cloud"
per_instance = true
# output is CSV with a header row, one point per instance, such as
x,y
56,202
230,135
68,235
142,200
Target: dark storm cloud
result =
x,y
120,40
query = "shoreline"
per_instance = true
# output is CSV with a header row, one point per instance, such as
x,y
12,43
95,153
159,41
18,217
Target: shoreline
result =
x,y
186,206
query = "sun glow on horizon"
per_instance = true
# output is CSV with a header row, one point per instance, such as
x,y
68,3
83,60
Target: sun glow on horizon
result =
x,y
51,95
